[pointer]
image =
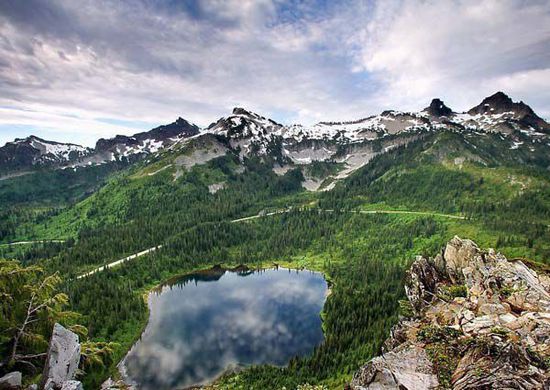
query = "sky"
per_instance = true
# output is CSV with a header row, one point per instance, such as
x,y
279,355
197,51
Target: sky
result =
x,y
79,70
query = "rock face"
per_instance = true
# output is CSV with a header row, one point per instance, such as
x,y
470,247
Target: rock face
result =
x,y
479,321
11,381
62,360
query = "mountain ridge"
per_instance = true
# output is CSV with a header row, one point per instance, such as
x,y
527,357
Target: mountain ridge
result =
x,y
254,134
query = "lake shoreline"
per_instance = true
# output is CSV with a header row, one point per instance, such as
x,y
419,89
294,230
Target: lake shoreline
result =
x,y
213,273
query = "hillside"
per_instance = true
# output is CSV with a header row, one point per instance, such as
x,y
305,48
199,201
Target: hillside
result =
x,y
354,200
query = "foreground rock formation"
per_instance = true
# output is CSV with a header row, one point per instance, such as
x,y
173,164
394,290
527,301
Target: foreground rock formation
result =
x,y
11,381
475,321
62,361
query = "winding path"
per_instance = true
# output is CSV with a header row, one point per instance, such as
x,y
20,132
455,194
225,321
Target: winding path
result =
x,y
264,214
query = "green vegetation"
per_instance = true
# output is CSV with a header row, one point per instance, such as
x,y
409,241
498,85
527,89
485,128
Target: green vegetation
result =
x,y
448,293
506,202
31,304
444,348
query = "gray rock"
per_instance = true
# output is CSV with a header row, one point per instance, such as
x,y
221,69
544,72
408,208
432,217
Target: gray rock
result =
x,y
72,385
11,381
62,360
406,367
33,387
510,368
503,325
421,283
458,255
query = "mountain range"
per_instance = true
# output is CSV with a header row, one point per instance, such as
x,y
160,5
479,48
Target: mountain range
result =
x,y
351,144
355,200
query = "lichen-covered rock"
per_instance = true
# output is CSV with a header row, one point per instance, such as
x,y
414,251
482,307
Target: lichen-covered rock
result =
x,y
111,384
459,254
481,322
62,360
11,381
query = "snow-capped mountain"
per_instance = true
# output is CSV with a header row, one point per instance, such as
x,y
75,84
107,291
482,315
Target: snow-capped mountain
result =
x,y
350,144
133,147
253,133
32,152
499,113
25,153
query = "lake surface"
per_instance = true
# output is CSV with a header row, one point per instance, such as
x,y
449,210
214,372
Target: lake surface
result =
x,y
204,324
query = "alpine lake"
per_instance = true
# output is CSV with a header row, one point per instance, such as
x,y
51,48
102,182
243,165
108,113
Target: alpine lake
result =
x,y
205,324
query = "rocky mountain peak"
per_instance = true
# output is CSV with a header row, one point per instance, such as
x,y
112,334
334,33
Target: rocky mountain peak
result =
x,y
517,113
242,111
147,141
498,98
28,139
25,153
498,104
437,108
243,123
475,320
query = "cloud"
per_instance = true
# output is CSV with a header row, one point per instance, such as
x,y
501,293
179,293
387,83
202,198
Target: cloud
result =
x,y
296,61
459,50
196,331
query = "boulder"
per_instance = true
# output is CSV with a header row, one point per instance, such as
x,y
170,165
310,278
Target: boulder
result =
x,y
407,367
506,367
11,381
110,384
62,359
493,308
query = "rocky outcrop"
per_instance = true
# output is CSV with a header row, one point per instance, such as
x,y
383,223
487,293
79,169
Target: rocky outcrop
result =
x,y
62,360
477,321
11,381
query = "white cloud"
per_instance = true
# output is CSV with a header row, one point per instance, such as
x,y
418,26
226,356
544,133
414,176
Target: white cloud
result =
x,y
154,61
459,50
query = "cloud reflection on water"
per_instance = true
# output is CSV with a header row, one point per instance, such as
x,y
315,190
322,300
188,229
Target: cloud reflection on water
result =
x,y
199,329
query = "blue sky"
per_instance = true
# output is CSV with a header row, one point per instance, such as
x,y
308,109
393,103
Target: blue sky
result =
x,y
80,70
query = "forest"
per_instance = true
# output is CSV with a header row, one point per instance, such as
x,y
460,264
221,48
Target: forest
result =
x,y
505,205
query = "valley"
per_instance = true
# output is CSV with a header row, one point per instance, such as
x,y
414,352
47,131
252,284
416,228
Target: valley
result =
x,y
240,193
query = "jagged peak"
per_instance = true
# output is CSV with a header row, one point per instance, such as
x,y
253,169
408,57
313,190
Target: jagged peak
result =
x,y
499,103
498,98
32,137
438,108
